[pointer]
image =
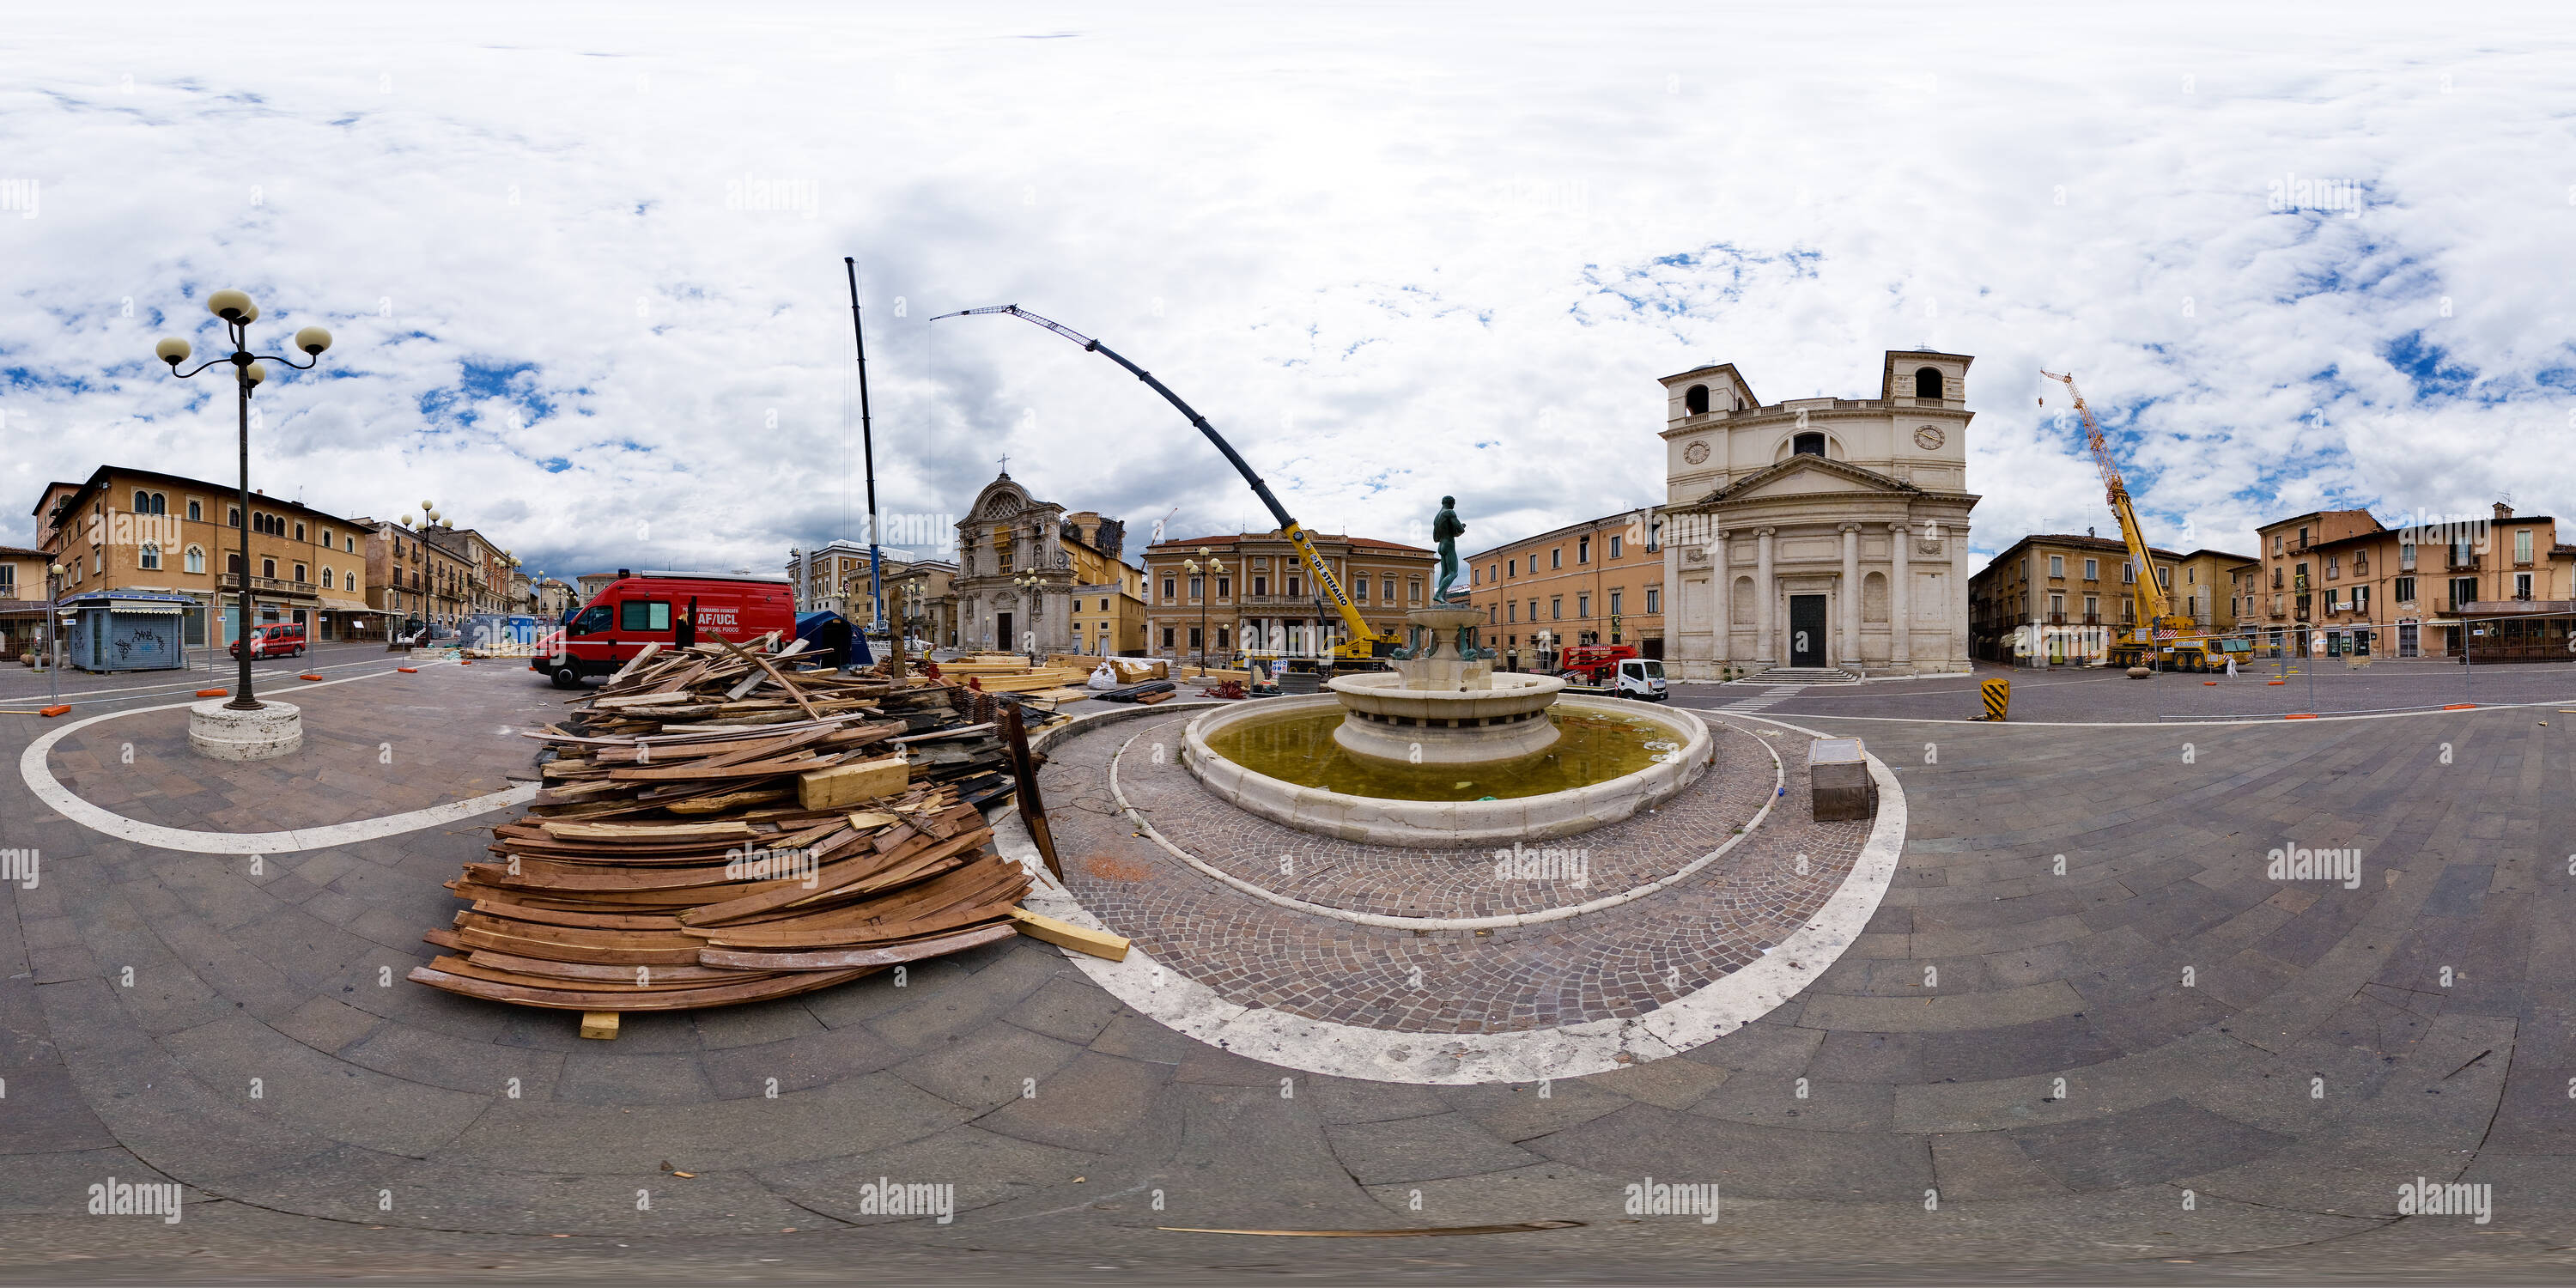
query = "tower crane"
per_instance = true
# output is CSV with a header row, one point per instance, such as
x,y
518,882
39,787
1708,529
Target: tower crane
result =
x,y
2162,634
1365,644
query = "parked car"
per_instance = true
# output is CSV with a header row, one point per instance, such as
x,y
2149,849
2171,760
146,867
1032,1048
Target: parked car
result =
x,y
277,639
639,609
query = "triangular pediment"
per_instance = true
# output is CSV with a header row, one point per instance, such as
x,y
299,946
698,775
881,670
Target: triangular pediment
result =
x,y
1809,476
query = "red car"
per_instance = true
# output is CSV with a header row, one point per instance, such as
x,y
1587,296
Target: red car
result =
x,y
277,639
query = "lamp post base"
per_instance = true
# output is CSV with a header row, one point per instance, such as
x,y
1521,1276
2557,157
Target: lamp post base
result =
x,y
218,732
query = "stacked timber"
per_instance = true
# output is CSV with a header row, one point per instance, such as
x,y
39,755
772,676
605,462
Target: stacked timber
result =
x,y
717,826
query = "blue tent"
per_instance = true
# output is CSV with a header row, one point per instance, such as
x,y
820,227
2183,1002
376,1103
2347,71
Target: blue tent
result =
x,y
833,636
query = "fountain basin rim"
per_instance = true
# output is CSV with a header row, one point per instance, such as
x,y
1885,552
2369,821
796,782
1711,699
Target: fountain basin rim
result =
x,y
1445,825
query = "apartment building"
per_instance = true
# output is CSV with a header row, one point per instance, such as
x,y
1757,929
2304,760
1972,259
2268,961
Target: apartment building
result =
x,y
924,598
1600,581
2341,583
22,601
1253,593
417,582
1110,619
129,529
486,588
2059,599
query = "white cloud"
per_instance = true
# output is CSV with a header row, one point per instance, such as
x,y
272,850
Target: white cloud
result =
x,y
1362,242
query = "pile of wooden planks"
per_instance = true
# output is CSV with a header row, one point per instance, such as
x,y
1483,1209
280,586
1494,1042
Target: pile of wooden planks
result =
x,y
1003,673
717,826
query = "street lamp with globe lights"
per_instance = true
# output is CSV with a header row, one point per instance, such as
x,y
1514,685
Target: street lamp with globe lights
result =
x,y
54,633
1207,590
1035,585
249,370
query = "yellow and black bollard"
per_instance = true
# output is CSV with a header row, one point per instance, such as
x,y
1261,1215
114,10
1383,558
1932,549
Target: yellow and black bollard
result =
x,y
1998,696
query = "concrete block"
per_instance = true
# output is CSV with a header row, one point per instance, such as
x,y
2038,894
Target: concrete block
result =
x,y
1838,780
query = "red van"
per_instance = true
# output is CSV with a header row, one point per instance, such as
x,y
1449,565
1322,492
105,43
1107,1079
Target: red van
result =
x,y
646,608
274,639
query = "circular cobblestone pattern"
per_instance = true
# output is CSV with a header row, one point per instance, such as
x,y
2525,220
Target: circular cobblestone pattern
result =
x,y
1613,963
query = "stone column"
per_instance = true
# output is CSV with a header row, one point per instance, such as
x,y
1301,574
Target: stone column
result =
x,y
1900,587
1958,538
1722,583
1851,596
1765,648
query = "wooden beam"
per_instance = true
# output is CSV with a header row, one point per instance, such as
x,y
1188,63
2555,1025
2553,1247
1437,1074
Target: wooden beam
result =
x,y
1065,934
1024,772
623,671
850,784
783,681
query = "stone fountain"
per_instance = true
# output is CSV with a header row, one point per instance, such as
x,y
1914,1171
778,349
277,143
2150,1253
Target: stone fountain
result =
x,y
1442,714
1446,706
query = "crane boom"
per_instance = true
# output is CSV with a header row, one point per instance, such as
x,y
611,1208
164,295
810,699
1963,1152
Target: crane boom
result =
x,y
2152,608
1364,641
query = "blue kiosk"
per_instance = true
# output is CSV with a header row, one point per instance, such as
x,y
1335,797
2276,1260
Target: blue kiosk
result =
x,y
121,630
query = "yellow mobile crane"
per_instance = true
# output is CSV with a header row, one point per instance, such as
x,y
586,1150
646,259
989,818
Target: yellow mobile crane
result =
x,y
2173,639
1365,646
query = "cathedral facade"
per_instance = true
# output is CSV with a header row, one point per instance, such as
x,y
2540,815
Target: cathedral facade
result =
x,y
1818,533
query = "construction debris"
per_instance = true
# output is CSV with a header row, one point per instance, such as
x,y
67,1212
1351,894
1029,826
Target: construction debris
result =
x,y
1140,692
717,826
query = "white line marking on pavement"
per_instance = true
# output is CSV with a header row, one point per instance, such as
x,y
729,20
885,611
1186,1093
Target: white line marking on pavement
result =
x,y
1462,1059
2222,722
41,781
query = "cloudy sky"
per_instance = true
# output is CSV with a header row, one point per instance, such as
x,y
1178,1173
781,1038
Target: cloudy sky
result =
x,y
584,262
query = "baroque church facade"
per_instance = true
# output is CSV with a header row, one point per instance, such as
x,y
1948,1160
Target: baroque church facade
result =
x,y
1818,532
1021,563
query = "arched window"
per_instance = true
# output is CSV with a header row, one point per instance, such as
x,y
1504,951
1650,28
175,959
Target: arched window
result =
x,y
160,503
326,579
148,556
232,564
1927,382
195,559
1695,400
1808,444
196,510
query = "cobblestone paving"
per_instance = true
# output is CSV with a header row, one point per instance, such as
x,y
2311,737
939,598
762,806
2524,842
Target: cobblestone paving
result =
x,y
2035,1108
1612,963
1405,882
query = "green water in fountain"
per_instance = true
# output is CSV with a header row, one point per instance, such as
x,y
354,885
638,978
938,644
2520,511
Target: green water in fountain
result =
x,y
1591,747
